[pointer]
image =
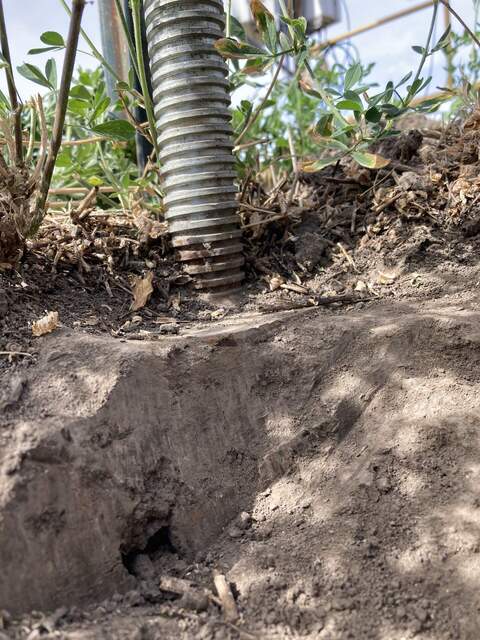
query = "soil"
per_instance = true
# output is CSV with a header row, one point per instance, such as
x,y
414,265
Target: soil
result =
x,y
325,460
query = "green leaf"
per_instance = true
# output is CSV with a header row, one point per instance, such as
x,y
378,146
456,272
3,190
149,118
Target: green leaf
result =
x,y
324,125
337,144
298,25
353,76
404,80
34,52
353,96
95,181
4,100
285,42
265,23
318,165
349,105
80,92
306,87
370,160
51,72
33,73
236,29
117,129
78,107
391,110
373,115
230,48
64,159
415,87
100,109
444,40
420,50
53,39
302,57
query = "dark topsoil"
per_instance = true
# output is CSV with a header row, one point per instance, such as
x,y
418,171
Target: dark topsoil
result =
x,y
406,234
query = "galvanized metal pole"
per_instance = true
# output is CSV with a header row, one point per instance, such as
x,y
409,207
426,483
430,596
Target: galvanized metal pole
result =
x,y
191,97
114,44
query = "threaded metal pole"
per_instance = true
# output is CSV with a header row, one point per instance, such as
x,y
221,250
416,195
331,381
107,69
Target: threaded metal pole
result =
x,y
191,98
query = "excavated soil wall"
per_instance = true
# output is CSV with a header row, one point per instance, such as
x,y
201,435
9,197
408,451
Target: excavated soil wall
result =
x,y
107,445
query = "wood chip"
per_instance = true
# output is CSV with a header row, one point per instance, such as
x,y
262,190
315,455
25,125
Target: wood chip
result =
x,y
225,595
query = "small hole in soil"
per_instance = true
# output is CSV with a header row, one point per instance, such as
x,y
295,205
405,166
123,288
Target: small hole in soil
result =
x,y
158,544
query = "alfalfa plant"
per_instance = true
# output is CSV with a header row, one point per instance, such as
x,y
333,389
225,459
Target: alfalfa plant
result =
x,y
348,119
25,175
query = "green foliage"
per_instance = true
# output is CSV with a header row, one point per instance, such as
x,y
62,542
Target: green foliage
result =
x,y
333,113
329,110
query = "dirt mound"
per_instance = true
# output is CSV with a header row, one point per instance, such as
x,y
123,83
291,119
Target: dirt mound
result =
x,y
405,230
339,453
408,230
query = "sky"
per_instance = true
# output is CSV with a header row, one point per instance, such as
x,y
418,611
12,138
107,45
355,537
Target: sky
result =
x,y
390,45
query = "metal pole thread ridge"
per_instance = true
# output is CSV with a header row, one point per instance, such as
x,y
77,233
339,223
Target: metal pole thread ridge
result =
x,y
191,98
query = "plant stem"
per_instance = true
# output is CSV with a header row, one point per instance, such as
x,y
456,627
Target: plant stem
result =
x,y
425,53
12,89
61,109
33,130
254,117
147,98
326,98
130,42
229,16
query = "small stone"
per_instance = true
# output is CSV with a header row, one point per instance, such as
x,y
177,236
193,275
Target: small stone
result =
x,y
171,329
421,614
401,612
194,601
265,532
244,520
134,598
268,561
384,485
234,532
5,619
13,393
271,617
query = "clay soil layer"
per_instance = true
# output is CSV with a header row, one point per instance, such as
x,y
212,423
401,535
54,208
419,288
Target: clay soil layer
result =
x,y
326,463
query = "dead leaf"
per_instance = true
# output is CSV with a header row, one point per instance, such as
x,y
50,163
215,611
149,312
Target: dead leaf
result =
x,y
45,325
142,290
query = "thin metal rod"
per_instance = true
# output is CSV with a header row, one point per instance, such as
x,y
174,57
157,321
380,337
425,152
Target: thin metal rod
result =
x,y
371,25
